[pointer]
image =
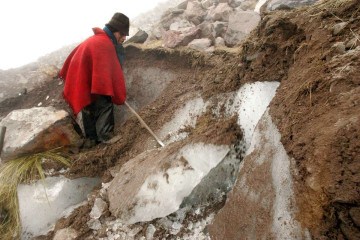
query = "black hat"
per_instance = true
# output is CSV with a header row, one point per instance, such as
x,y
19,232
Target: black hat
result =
x,y
120,22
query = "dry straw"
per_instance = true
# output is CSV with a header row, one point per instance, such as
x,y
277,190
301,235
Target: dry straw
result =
x,y
12,173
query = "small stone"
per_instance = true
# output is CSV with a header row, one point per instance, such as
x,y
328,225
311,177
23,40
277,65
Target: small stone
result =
x,y
66,234
339,47
150,231
176,228
353,43
99,207
165,223
338,28
219,42
94,224
23,91
39,104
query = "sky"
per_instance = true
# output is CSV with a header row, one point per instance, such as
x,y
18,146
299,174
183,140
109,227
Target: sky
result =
x,y
33,28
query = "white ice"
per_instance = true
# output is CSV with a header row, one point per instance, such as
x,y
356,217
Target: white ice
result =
x,y
250,103
185,116
268,138
45,201
162,193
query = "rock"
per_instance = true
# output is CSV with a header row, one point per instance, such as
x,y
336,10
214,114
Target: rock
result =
x,y
23,91
182,26
220,13
207,30
241,23
200,44
288,4
250,58
66,234
338,28
169,19
219,28
150,232
219,42
352,43
206,4
98,209
165,223
210,49
172,39
194,12
175,228
94,224
243,4
37,130
177,11
235,3
156,33
339,47
182,5
139,37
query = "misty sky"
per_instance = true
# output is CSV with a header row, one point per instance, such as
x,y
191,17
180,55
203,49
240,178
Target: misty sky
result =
x,y
33,28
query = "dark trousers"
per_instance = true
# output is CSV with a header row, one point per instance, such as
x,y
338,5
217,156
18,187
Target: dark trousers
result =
x,y
98,119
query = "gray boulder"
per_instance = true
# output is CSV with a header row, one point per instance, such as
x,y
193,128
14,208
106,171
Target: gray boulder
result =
x,y
200,44
288,4
139,37
172,39
36,130
241,23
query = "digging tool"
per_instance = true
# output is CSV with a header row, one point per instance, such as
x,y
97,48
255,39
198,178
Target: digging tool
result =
x,y
2,137
145,125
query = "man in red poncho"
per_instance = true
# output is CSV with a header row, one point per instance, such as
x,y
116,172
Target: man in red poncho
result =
x,y
94,79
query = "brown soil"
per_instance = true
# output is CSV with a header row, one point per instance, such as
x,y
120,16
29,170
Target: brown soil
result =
x,y
316,108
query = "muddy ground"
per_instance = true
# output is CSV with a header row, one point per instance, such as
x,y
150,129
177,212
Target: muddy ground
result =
x,y
316,108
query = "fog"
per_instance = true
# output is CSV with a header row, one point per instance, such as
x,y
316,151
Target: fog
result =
x,y
32,28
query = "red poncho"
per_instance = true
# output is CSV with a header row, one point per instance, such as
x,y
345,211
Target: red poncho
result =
x,y
93,68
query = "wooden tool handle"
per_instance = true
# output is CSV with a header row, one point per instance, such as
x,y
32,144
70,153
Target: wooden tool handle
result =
x,y
144,124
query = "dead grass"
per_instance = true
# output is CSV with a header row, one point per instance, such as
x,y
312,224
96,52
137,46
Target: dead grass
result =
x,y
12,173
